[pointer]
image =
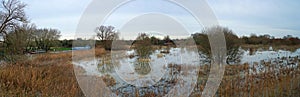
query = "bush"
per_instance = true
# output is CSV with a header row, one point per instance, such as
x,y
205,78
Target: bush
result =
x,y
232,43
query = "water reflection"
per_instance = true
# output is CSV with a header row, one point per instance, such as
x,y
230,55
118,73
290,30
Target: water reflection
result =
x,y
105,65
160,73
157,74
160,88
142,67
142,47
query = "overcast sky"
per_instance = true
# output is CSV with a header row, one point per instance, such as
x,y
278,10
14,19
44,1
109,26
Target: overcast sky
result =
x,y
275,17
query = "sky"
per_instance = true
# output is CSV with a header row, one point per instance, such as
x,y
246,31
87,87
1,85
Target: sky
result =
x,y
275,17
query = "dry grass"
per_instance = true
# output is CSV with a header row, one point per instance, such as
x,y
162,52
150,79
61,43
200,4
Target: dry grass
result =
x,y
52,75
109,80
275,47
238,81
35,80
43,75
98,52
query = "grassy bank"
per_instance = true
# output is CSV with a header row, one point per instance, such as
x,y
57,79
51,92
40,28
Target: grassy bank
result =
x,y
60,49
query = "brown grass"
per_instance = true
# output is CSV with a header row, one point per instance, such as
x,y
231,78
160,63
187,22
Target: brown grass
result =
x,y
237,82
275,47
85,54
52,75
44,75
35,80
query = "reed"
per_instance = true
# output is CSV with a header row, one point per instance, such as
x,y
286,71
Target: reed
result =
x,y
273,80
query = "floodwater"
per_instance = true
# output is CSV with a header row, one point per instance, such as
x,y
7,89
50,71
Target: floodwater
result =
x,y
174,72
267,55
260,61
163,74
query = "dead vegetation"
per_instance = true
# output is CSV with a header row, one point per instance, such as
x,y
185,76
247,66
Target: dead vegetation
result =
x,y
239,81
52,75
54,79
44,75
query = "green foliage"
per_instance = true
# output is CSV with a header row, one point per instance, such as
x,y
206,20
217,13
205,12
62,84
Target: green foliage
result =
x,y
60,49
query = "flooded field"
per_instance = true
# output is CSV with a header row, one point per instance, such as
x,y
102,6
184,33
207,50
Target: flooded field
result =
x,y
177,72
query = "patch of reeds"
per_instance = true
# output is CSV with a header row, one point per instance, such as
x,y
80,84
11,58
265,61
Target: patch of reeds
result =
x,y
56,79
43,75
272,81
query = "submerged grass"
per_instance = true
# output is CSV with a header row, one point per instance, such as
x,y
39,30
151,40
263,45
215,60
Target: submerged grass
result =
x,y
238,81
274,47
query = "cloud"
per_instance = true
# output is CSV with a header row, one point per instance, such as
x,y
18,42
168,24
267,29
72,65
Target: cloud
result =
x,y
274,17
245,29
59,14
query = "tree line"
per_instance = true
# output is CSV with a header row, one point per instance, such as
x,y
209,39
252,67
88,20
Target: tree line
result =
x,y
233,42
18,36
107,34
270,40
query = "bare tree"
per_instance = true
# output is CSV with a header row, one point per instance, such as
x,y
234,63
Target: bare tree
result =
x,y
18,42
45,38
12,13
106,33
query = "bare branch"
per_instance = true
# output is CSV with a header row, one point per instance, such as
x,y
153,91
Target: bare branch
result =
x,y
12,13
106,33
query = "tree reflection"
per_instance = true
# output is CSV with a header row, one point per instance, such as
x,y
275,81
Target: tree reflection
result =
x,y
105,64
143,48
142,68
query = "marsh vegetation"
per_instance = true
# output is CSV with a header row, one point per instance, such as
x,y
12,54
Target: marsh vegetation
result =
x,y
34,62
